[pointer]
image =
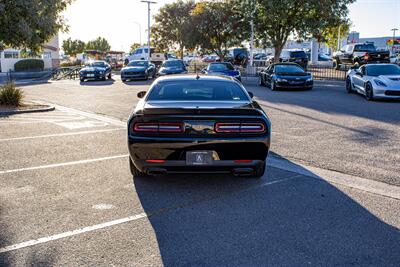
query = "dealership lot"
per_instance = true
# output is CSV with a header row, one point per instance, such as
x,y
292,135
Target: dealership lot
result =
x,y
67,197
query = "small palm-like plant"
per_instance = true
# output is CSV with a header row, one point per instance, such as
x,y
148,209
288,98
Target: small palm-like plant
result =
x,y
10,95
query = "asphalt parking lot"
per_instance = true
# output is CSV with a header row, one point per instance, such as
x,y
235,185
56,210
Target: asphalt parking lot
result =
x,y
330,195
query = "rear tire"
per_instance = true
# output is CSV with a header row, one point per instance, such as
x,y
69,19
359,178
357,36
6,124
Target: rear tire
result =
x,y
109,76
369,92
134,171
349,86
258,172
261,80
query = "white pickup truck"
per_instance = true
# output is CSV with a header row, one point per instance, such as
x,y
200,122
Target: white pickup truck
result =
x,y
141,53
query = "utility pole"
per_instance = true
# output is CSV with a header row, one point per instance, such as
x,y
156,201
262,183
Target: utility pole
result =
x,y
148,25
252,34
338,39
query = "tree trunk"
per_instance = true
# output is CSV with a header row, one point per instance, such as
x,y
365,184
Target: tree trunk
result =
x,y
278,51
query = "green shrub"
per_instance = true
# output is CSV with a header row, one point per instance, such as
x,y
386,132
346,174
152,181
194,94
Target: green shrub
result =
x,y
10,95
29,65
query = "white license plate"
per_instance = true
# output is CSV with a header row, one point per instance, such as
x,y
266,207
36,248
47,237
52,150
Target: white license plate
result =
x,y
90,75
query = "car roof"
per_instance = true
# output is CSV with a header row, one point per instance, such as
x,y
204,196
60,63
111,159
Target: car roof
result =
x,y
193,77
286,63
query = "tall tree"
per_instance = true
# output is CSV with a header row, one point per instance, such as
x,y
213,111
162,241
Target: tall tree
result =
x,y
173,26
73,47
334,34
218,27
277,20
30,23
134,46
99,44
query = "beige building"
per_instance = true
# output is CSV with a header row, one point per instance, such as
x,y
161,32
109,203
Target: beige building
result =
x,y
50,56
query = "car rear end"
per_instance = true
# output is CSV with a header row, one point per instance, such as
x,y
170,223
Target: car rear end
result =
x,y
299,57
168,140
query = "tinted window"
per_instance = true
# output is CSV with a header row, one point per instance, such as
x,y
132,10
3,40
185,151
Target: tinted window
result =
x,y
138,63
97,64
172,63
288,69
139,51
198,90
298,54
364,48
220,67
376,70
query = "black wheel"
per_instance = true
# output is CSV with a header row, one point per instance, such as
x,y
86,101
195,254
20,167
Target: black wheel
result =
x,y
369,92
336,64
349,86
259,172
82,80
261,80
109,76
273,86
123,80
134,171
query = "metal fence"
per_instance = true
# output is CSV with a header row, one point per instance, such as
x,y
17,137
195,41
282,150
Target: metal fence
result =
x,y
322,71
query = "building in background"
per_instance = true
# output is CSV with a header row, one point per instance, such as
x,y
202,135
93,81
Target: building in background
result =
x,y
50,56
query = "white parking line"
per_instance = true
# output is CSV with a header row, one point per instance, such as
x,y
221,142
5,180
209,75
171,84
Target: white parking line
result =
x,y
60,135
62,164
136,217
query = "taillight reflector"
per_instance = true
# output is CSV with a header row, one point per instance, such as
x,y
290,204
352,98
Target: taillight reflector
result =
x,y
155,161
243,161
154,127
257,127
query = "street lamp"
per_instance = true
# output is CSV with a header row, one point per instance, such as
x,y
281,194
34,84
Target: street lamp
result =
x,y
148,25
394,34
140,31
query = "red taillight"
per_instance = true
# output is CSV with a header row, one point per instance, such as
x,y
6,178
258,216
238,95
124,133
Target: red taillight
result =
x,y
154,127
155,161
257,127
242,161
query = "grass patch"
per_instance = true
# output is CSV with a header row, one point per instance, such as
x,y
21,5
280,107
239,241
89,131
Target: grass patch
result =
x,y
10,95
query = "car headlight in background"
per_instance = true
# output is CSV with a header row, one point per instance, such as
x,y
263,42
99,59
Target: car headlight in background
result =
x,y
380,83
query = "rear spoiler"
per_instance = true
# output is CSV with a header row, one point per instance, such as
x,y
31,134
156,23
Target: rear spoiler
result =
x,y
213,112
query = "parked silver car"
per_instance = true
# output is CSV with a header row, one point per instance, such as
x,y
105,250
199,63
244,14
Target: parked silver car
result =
x,y
375,81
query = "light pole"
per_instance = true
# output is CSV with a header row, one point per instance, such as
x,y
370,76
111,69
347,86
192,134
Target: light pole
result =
x,y
148,25
252,33
394,34
140,31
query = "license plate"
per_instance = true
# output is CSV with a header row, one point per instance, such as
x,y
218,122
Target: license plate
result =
x,y
90,75
199,157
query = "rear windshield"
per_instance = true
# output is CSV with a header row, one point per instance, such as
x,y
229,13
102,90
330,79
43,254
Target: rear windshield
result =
x,y
220,67
376,70
198,90
138,64
364,48
288,69
96,64
298,54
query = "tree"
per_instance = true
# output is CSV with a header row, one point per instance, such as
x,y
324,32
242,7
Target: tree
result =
x,y
277,20
99,44
330,34
218,27
173,26
73,47
134,46
30,23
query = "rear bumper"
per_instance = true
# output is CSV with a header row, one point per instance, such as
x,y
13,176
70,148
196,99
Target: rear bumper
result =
x,y
218,166
173,151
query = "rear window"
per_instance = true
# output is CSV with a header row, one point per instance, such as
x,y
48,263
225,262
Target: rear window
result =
x,y
288,69
298,54
172,63
364,48
220,67
198,90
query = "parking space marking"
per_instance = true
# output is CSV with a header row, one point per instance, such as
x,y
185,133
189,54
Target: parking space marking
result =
x,y
60,134
72,125
132,218
63,164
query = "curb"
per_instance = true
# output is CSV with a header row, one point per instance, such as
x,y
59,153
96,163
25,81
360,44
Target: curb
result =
x,y
50,108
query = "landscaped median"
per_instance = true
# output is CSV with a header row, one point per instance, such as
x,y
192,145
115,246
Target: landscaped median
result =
x,y
12,101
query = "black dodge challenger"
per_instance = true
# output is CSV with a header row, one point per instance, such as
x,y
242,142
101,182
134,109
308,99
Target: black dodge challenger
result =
x,y
201,124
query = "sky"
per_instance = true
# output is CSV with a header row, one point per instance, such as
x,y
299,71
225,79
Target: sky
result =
x,y
118,20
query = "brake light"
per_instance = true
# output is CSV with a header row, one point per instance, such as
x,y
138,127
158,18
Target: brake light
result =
x,y
366,56
155,161
257,127
154,127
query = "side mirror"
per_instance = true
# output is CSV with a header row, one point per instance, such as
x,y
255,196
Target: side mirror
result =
x,y
141,94
251,94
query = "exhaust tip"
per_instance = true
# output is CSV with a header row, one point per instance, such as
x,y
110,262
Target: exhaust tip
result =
x,y
156,171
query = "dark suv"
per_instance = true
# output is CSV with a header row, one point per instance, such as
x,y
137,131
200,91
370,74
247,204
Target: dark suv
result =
x,y
295,56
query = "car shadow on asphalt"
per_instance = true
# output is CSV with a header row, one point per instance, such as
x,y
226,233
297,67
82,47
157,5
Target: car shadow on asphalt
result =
x,y
282,219
138,82
98,83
